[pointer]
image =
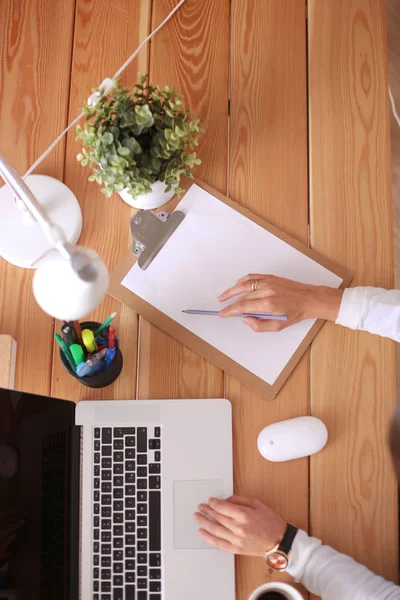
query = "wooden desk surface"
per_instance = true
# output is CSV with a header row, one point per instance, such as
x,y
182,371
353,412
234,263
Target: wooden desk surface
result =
x,y
250,56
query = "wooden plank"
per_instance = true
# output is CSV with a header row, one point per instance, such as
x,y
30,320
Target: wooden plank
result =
x,y
105,35
268,174
352,374
192,53
35,45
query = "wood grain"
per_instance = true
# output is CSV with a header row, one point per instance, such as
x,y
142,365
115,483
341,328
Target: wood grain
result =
x,y
393,38
35,46
393,42
268,174
353,392
351,221
192,53
105,35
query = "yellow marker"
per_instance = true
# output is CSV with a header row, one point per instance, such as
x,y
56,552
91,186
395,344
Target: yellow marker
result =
x,y
88,340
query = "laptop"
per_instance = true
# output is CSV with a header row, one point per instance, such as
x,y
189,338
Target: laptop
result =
x,y
108,489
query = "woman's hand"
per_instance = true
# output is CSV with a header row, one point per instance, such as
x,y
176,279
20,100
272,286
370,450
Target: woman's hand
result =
x,y
240,525
278,296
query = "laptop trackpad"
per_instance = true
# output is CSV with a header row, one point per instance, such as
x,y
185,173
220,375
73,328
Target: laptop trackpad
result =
x,y
187,496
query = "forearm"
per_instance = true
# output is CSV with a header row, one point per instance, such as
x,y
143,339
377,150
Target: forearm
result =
x,y
332,575
371,309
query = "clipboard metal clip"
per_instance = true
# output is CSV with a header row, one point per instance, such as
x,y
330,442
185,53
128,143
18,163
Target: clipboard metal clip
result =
x,y
150,232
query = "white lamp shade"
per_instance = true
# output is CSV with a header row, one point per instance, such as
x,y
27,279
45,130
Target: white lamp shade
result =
x,y
22,240
62,294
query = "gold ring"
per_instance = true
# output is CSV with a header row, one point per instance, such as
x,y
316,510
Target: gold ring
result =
x,y
254,285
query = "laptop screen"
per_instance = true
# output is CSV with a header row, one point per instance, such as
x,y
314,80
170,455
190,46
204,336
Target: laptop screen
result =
x,y
39,497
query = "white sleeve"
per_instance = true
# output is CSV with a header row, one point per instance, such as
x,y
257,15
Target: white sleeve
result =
x,y
371,309
334,576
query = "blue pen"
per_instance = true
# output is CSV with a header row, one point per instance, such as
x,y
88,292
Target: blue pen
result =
x,y
93,366
110,356
215,313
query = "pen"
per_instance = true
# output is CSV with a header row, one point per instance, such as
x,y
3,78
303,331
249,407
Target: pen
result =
x,y
68,334
78,331
111,337
88,340
110,355
215,313
65,351
77,353
105,324
90,368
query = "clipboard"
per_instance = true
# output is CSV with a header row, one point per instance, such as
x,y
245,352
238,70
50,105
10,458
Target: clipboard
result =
x,y
150,233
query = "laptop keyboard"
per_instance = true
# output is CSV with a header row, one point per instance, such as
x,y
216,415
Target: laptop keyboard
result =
x,y
127,513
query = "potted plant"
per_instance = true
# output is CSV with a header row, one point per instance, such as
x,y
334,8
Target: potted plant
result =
x,y
139,143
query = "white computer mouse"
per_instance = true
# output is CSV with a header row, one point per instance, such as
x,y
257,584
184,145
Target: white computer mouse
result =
x,y
294,438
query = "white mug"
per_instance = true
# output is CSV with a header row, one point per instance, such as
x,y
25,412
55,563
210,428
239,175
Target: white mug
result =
x,y
289,592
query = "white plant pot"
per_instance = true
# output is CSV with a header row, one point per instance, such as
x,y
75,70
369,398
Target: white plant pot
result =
x,y
157,197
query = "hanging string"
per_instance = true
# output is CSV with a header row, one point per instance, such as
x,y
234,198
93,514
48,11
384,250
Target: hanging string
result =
x,y
116,75
393,105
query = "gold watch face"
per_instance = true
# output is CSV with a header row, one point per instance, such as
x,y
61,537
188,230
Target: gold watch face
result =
x,y
277,561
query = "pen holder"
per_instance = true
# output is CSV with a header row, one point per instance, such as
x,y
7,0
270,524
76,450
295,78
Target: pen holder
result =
x,y
102,379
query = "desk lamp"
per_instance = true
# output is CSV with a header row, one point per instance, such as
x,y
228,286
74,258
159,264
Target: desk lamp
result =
x,y
70,281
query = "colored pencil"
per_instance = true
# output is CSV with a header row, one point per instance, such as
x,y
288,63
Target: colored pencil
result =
x,y
105,324
215,313
66,351
78,331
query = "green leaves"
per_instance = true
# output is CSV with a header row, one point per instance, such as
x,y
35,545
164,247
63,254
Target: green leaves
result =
x,y
132,144
132,139
123,151
108,138
144,116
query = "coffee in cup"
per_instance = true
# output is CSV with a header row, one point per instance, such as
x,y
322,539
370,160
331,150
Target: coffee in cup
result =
x,y
276,591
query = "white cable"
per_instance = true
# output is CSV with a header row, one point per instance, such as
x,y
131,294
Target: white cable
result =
x,y
117,74
393,105
53,145
130,59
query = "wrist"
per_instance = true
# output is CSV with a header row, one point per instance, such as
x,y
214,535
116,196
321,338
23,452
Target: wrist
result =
x,y
326,303
278,557
275,537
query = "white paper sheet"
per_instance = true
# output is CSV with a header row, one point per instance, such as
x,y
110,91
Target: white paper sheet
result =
x,y
212,248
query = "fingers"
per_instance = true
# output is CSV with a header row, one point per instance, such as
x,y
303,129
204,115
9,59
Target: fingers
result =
x,y
236,290
243,501
245,306
214,529
265,325
210,513
216,542
225,508
243,286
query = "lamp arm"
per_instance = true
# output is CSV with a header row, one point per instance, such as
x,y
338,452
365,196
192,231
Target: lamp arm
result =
x,y
19,188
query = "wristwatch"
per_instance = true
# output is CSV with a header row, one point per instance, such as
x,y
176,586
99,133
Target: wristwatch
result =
x,y
278,556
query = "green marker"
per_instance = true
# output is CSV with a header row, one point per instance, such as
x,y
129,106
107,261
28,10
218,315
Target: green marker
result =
x,y
105,324
65,351
77,353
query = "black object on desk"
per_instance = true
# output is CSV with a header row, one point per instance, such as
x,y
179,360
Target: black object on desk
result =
x,y
271,596
43,560
102,379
